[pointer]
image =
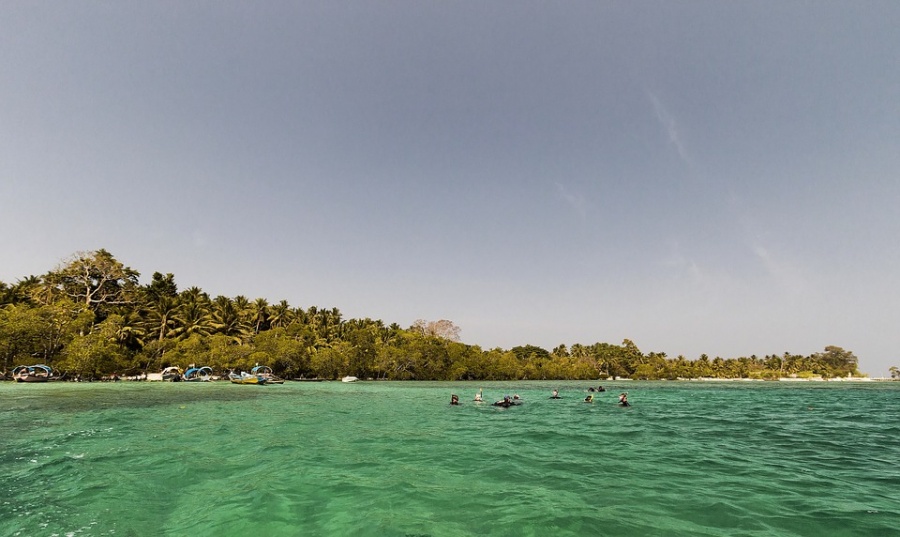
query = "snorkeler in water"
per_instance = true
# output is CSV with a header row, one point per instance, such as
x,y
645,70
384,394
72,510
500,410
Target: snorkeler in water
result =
x,y
623,399
508,402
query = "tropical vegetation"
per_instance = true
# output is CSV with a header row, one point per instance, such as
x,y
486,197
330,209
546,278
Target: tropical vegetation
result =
x,y
91,317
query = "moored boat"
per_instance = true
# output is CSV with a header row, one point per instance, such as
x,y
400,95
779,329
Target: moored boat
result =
x,y
349,378
198,374
32,373
246,378
266,372
173,374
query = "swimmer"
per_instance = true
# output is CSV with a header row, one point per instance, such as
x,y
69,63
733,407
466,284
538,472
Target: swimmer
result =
x,y
507,402
454,399
478,396
623,399
555,395
589,398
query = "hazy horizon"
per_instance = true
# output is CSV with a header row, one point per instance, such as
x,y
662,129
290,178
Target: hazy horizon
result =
x,y
697,177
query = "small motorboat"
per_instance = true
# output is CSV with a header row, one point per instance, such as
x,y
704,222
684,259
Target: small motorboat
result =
x,y
349,378
173,374
198,374
32,373
266,372
246,378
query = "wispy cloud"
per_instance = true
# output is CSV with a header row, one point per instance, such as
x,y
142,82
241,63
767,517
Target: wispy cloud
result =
x,y
781,269
784,273
670,126
683,265
576,202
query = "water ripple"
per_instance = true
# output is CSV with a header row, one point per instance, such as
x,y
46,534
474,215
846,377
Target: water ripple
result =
x,y
395,459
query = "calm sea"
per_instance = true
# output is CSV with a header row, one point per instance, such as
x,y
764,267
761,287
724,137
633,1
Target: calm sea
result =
x,y
395,459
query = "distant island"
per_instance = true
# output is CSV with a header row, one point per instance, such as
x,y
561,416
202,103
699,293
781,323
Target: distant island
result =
x,y
90,318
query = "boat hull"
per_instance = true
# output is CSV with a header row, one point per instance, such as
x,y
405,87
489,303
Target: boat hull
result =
x,y
251,379
32,378
32,373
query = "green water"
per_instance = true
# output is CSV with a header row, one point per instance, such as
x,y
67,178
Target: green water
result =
x,y
395,459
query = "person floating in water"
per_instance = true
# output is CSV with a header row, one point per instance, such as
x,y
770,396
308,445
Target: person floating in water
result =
x,y
478,396
506,402
454,399
589,398
601,389
623,399
555,395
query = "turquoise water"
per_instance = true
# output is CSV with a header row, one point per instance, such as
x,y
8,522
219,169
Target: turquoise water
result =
x,y
394,459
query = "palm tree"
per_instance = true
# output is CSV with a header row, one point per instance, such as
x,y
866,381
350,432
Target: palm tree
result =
x,y
193,317
242,305
227,319
23,291
328,323
160,314
260,309
194,294
130,333
301,316
280,314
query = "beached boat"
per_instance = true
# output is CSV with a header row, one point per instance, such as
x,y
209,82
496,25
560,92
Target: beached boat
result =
x,y
173,374
266,372
32,373
198,374
349,378
246,378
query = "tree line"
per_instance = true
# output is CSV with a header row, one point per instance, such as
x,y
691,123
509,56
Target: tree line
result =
x,y
90,317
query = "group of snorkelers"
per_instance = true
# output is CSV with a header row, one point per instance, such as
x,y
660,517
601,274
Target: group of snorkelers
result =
x,y
623,399
515,400
507,400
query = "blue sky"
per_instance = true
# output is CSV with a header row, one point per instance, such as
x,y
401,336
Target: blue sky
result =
x,y
698,177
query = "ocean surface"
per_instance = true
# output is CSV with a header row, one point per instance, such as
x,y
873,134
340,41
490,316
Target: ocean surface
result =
x,y
395,459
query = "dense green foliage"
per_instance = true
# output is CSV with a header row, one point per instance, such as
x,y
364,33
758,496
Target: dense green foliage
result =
x,y
90,317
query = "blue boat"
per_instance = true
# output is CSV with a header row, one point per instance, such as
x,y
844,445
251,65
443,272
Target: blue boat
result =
x,y
32,373
198,374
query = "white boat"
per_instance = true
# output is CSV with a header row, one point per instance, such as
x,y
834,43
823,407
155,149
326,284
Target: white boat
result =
x,y
349,378
32,373
265,372
173,374
246,378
